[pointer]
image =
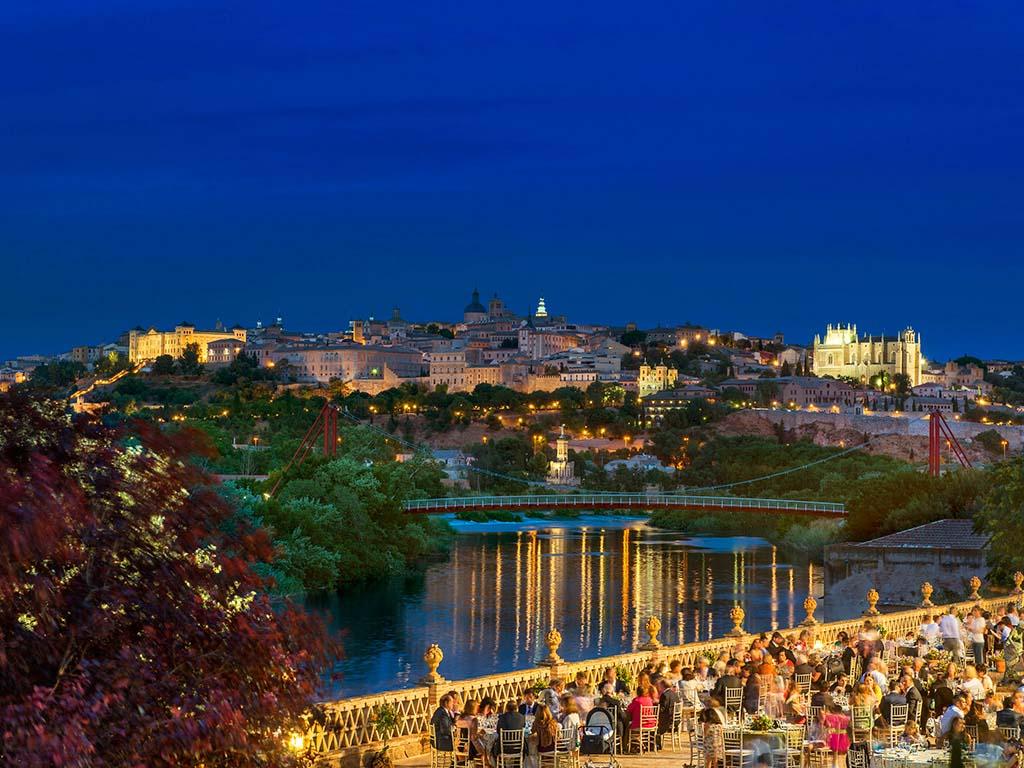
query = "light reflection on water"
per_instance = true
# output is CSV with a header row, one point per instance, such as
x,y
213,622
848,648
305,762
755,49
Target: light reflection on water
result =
x,y
491,604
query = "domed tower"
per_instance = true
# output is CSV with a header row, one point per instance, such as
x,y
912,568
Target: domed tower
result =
x,y
475,312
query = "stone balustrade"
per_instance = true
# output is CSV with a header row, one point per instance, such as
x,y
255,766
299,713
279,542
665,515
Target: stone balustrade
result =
x,y
341,731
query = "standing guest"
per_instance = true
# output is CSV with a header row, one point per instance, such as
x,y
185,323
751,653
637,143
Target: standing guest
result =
x,y
544,731
713,720
836,724
949,629
977,627
930,630
442,722
552,695
529,705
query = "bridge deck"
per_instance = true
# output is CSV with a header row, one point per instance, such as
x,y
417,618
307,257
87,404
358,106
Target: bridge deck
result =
x,y
637,501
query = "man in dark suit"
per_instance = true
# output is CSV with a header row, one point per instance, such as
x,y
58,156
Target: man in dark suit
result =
x,y
668,697
727,681
612,676
529,705
509,720
442,722
914,696
895,697
821,697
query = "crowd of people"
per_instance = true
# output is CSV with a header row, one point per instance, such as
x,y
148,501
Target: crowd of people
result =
x,y
842,694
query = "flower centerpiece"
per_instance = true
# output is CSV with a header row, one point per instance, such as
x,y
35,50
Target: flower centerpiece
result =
x,y
761,723
625,675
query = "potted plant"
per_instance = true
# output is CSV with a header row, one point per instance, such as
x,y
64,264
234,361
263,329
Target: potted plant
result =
x,y
386,720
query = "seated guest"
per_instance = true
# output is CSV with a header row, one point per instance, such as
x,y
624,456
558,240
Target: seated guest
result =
x,y
544,731
488,706
751,693
529,705
468,720
689,689
976,717
912,736
675,672
611,676
668,697
644,698
1008,717
729,680
795,709
820,696
841,685
442,722
930,630
509,720
972,683
570,713
703,671
895,697
580,683
956,711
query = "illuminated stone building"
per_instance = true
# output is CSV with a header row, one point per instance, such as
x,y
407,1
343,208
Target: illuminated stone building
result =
x,y
148,345
842,353
560,469
655,378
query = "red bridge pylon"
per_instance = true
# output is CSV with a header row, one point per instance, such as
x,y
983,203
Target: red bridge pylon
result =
x,y
938,429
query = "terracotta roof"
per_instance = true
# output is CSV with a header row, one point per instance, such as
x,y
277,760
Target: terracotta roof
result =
x,y
942,534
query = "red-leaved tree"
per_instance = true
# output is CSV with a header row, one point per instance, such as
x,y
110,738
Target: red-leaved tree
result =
x,y
132,632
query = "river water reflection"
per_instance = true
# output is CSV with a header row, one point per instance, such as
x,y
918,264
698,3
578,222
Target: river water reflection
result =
x,y
596,579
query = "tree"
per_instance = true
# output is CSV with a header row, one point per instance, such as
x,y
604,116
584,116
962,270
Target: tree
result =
x,y
1002,516
786,369
902,383
111,363
56,374
189,363
163,366
134,630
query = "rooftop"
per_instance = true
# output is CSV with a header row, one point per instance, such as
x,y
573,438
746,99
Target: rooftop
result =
x,y
941,534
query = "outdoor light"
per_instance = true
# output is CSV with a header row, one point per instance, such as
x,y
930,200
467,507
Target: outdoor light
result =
x,y
297,742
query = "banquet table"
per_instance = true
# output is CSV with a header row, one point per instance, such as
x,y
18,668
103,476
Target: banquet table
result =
x,y
918,758
489,736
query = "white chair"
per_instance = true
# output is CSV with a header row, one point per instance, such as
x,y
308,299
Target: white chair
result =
x,y
645,737
510,744
898,714
803,683
856,758
862,721
791,753
441,758
734,703
1009,732
566,752
696,742
676,732
736,756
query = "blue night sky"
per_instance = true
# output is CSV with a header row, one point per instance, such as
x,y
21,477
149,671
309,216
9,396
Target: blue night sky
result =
x,y
744,165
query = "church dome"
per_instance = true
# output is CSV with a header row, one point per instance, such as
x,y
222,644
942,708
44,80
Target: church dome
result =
x,y
475,307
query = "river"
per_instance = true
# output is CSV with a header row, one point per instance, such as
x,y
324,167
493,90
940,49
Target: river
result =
x,y
596,579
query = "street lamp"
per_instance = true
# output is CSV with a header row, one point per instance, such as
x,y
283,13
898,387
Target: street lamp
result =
x,y
1004,443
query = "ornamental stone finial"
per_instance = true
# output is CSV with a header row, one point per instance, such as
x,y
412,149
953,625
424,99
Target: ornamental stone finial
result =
x,y
432,657
737,615
1018,579
652,627
553,639
926,593
810,604
975,584
872,597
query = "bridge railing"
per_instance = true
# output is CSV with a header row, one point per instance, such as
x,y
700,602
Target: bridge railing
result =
x,y
626,500
346,727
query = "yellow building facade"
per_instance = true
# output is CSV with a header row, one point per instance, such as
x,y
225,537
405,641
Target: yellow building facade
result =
x,y
842,353
144,346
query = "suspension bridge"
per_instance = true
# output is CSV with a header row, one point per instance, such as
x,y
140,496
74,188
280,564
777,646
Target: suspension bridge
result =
x,y
325,429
